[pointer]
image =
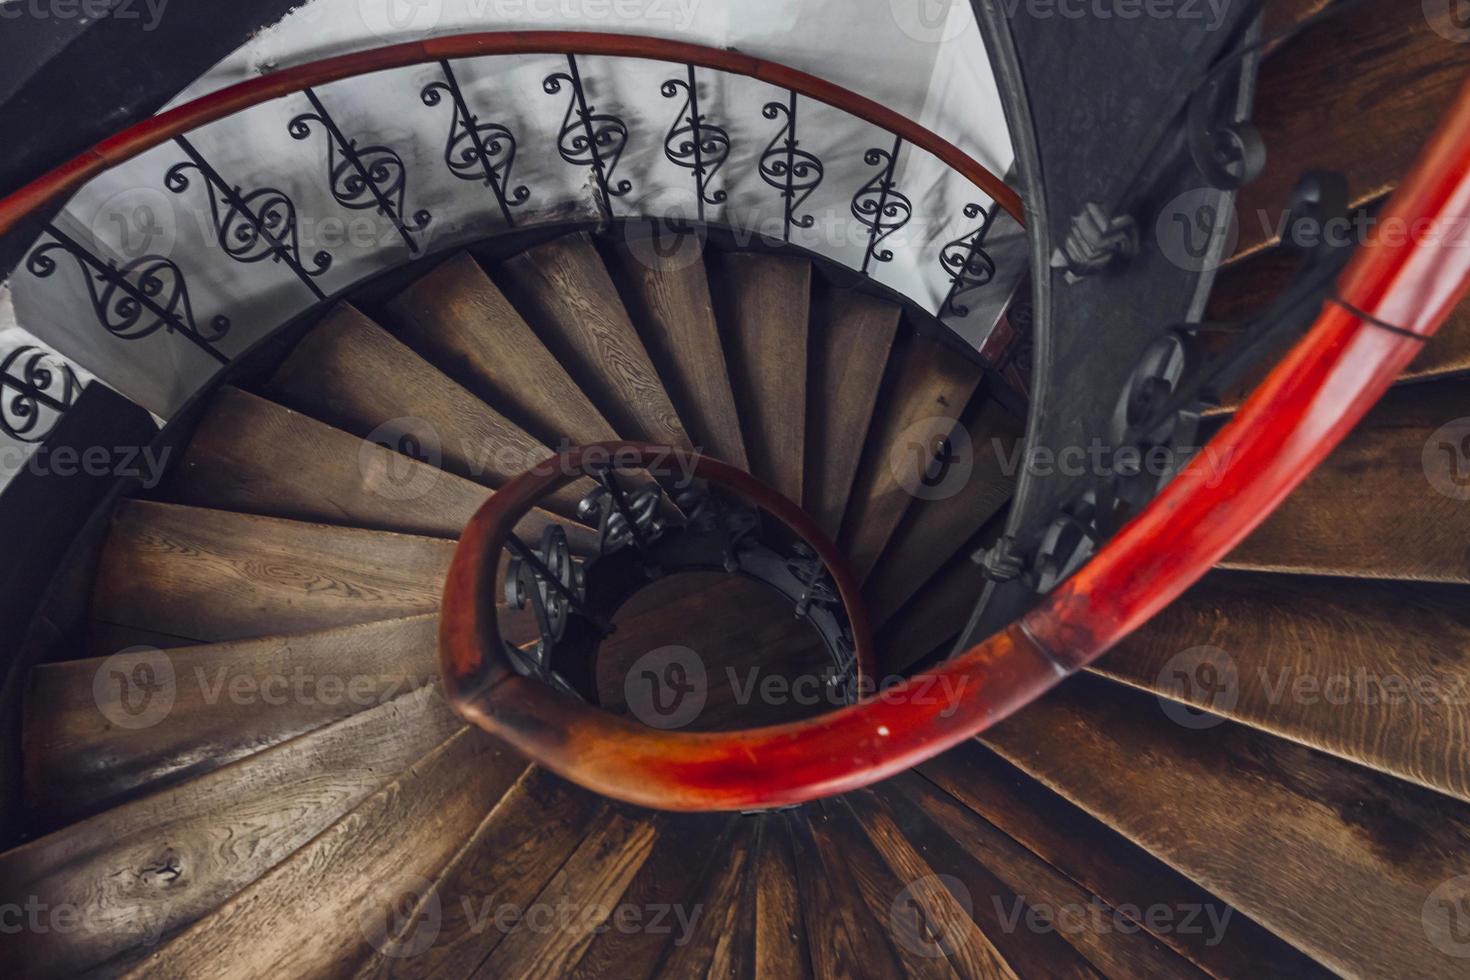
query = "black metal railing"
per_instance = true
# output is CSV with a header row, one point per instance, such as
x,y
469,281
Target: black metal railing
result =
x,y
364,172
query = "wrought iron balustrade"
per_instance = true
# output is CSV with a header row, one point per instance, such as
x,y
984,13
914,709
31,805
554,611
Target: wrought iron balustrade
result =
x,y
351,163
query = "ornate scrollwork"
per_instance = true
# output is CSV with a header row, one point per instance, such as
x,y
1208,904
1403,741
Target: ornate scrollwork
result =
x,y
694,143
588,138
968,264
362,178
475,150
879,205
36,387
785,166
136,300
551,582
623,518
253,226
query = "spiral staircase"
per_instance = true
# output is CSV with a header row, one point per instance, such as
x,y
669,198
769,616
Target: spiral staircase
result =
x,y
247,764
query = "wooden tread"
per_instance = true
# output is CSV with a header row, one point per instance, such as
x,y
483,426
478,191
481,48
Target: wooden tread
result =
x,y
462,323
564,291
354,876
225,701
351,373
1388,503
964,499
1390,73
926,389
214,575
853,337
765,307
142,870
1374,672
1338,860
668,297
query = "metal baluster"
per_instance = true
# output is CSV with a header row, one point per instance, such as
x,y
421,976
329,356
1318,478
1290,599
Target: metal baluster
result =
x,y
466,125
122,316
968,264
788,168
890,203
32,388
259,222
348,189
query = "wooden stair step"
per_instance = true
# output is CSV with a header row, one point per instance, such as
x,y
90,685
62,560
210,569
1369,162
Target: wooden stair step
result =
x,y
1099,859
351,373
667,294
517,848
853,336
214,575
1374,672
842,938
926,389
142,870
1388,503
585,890
781,942
1340,861
960,502
927,919
660,904
330,902
721,941
960,866
765,308
251,455
936,615
1248,286
564,291
224,701
1391,71
461,322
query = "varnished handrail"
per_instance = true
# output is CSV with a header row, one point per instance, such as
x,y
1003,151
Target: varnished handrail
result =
x,y
1396,292
65,179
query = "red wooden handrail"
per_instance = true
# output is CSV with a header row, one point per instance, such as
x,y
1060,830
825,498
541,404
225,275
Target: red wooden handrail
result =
x,y
1396,292
149,133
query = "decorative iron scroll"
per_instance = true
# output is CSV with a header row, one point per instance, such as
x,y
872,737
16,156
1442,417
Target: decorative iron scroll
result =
x,y
250,226
694,143
362,178
145,295
588,138
968,264
36,388
787,167
475,150
879,205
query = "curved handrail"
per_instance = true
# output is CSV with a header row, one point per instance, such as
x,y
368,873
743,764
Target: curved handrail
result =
x,y
158,129
1393,295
